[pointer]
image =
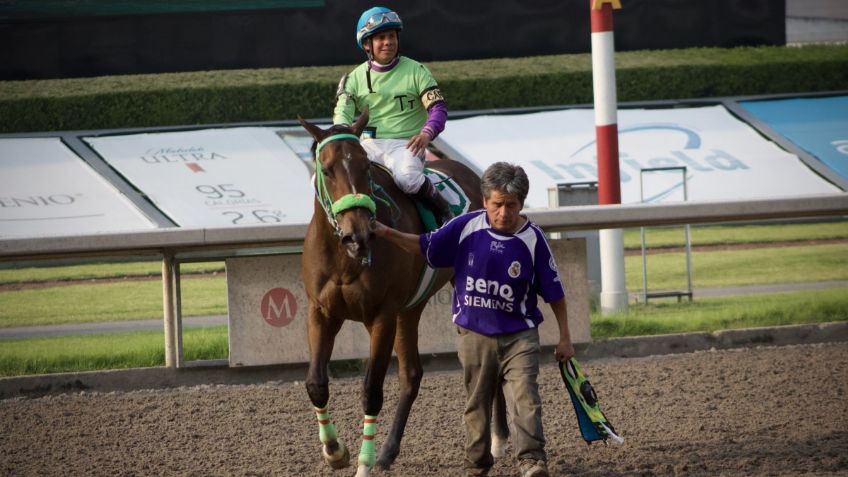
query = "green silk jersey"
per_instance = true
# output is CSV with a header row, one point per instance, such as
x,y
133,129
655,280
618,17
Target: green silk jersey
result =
x,y
397,101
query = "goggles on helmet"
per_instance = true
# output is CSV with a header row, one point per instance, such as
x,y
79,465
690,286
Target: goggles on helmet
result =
x,y
374,21
378,19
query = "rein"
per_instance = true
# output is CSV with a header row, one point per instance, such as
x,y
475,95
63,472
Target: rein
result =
x,y
347,202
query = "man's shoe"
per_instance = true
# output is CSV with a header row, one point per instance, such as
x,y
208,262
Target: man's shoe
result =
x,y
533,468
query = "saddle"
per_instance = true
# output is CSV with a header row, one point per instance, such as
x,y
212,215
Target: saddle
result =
x,y
459,203
448,189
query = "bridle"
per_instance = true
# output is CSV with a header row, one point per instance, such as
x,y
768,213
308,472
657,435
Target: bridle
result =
x,y
346,202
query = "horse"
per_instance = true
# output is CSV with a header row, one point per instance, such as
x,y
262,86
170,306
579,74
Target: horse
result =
x,y
350,274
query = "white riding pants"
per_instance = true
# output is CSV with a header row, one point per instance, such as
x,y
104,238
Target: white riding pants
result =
x,y
406,167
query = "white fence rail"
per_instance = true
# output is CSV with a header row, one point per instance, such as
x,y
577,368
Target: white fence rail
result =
x,y
175,241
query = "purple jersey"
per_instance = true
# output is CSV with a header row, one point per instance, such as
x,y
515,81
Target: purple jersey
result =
x,y
497,276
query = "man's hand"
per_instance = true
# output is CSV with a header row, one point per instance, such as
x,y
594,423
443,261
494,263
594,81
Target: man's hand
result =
x,y
379,229
564,350
408,242
418,143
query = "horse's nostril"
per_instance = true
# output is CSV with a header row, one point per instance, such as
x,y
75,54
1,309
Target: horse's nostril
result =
x,y
347,239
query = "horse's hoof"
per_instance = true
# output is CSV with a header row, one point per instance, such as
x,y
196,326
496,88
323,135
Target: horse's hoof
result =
x,y
499,446
336,455
363,471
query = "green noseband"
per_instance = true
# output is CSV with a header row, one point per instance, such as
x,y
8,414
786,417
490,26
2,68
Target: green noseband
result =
x,y
348,201
351,201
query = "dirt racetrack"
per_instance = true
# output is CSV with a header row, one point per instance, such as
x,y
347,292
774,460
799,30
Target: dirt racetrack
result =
x,y
752,412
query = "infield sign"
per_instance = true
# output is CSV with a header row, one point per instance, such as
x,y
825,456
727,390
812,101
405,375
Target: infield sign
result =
x,y
215,177
47,190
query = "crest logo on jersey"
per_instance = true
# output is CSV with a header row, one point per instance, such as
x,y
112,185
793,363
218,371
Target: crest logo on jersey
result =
x,y
514,269
497,247
470,259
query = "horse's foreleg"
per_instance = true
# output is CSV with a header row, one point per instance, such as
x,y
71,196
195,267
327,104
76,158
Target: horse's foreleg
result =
x,y
382,336
410,373
321,339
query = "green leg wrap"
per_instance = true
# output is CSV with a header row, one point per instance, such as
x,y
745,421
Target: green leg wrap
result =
x,y
326,429
368,453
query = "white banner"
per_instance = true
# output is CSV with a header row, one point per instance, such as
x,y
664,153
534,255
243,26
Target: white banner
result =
x,y
45,189
215,177
724,157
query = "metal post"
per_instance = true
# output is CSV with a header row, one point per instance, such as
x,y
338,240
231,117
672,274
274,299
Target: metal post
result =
x,y
178,317
168,309
688,244
688,241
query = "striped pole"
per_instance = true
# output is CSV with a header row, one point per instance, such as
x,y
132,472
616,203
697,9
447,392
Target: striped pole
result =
x,y
613,288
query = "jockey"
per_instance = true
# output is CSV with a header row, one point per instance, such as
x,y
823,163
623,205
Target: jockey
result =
x,y
406,108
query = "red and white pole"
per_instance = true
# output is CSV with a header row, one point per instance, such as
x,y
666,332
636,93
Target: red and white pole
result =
x,y
613,288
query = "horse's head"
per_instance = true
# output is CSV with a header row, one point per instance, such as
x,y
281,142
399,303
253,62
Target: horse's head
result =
x,y
343,184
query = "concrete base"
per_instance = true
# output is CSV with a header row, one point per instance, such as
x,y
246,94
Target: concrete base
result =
x,y
268,311
614,302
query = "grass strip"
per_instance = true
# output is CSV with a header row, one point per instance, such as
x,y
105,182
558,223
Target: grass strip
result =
x,y
107,351
724,313
87,303
757,266
144,349
207,295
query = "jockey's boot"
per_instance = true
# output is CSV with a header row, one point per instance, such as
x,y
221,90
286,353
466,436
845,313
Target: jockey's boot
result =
x,y
434,201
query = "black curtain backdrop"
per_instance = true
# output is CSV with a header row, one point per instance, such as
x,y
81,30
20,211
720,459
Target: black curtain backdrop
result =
x,y
324,35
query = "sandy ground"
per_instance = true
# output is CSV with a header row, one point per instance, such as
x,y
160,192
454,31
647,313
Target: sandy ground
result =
x,y
752,412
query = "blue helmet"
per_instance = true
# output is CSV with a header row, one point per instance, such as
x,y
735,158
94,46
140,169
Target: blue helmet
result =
x,y
375,19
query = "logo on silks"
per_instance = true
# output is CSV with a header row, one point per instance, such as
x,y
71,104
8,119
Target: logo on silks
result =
x,y
492,294
685,149
278,307
496,247
514,269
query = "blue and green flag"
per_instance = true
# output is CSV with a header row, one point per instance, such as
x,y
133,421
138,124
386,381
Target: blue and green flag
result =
x,y
594,426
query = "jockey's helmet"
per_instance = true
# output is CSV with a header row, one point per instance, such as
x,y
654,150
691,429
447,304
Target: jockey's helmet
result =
x,y
375,19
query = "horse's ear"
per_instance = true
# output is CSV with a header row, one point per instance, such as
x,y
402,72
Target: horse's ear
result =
x,y
360,123
317,133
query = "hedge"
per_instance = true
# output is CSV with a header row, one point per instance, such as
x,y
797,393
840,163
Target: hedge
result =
x,y
282,94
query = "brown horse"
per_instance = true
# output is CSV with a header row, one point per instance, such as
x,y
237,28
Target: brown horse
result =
x,y
349,274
